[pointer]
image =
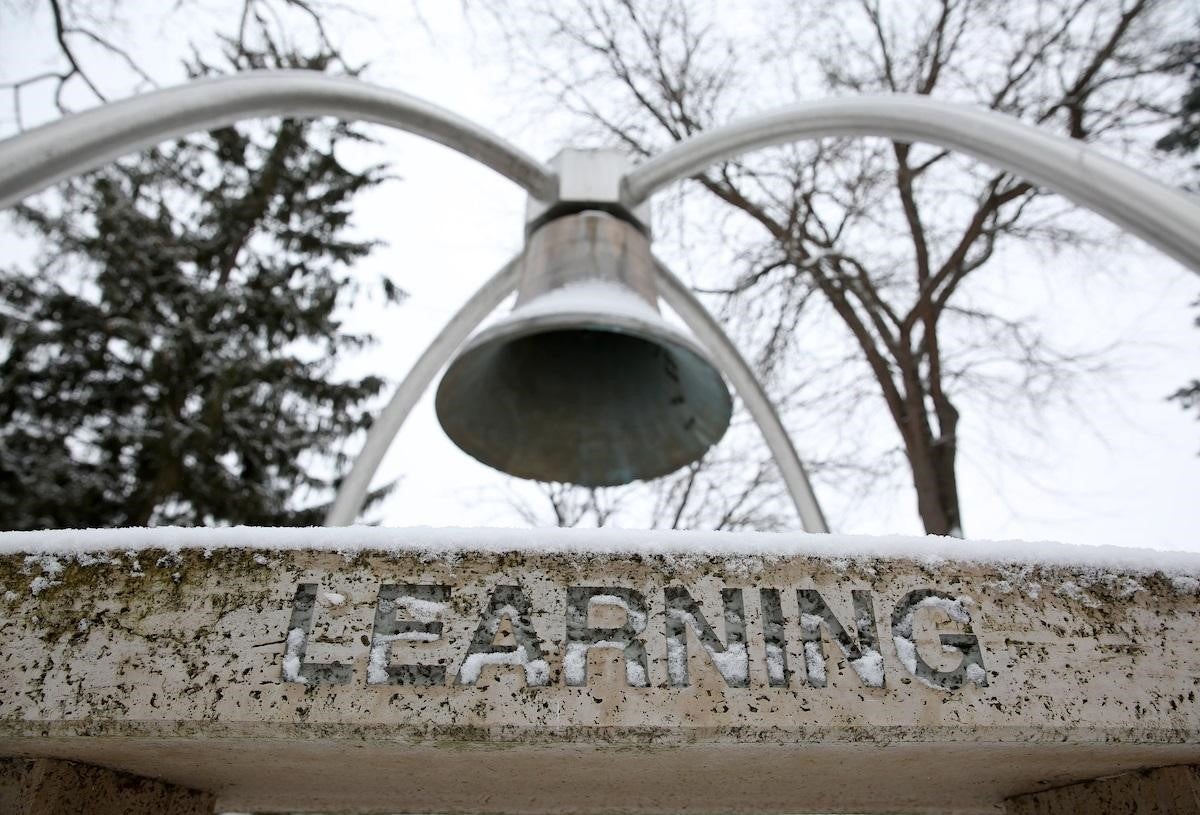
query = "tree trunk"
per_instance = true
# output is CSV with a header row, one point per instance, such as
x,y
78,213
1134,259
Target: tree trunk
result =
x,y
931,456
932,467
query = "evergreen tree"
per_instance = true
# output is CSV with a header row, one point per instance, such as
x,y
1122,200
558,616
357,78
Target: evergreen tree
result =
x,y
1185,138
170,359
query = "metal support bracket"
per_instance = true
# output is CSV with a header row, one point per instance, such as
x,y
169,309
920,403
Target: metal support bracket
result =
x,y
588,179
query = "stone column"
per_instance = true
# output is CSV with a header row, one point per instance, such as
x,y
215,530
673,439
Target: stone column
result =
x,y
44,786
1163,791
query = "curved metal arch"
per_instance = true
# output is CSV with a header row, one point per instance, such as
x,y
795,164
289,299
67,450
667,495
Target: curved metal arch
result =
x,y
37,158
352,493
730,362
1155,212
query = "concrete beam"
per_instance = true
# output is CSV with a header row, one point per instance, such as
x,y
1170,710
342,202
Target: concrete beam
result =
x,y
1163,791
577,675
50,787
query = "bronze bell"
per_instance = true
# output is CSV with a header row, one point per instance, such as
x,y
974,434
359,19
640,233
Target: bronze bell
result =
x,y
584,382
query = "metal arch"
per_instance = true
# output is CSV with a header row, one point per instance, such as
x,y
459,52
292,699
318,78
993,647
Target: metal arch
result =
x,y
1155,212
37,158
353,491
730,362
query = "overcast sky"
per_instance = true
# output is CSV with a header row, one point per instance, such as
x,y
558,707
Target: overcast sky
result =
x,y
1121,469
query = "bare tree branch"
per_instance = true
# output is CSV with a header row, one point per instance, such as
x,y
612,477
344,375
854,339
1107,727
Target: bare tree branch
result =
x,y
881,236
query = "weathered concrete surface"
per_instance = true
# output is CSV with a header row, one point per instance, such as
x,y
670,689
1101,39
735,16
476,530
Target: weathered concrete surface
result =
x,y
1165,791
173,665
49,787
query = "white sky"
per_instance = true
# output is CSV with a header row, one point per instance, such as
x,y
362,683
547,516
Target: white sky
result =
x,y
1123,469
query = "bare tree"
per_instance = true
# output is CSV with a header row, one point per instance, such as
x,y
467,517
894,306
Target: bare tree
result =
x,y
714,493
568,506
86,39
884,237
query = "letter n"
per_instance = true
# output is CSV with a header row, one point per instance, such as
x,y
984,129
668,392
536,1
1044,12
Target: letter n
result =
x,y
731,658
862,651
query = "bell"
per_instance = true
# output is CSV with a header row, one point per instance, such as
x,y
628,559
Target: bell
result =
x,y
584,382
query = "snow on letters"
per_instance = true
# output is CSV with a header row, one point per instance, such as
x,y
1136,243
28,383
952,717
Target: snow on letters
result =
x,y
415,616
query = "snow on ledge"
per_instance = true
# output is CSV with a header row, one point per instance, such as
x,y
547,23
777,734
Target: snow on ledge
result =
x,y
430,540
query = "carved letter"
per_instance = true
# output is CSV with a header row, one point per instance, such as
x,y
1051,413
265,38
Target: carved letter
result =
x,y
774,638
969,668
581,638
506,602
862,652
731,658
295,669
422,604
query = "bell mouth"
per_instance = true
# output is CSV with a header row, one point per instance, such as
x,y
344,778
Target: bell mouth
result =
x,y
591,404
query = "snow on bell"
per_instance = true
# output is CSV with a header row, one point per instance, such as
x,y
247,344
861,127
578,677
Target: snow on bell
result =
x,y
584,382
